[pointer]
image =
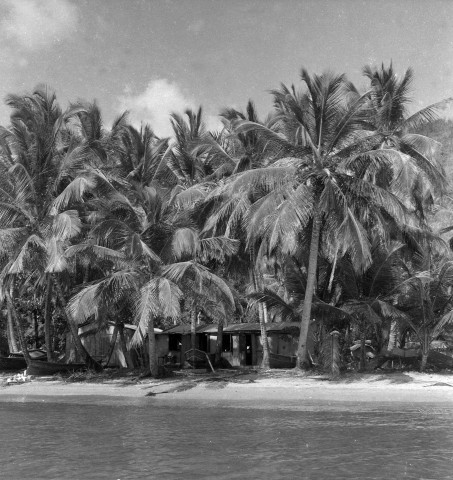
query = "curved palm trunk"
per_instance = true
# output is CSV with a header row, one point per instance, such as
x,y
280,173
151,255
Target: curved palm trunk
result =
x,y
126,352
302,351
12,344
20,328
48,320
90,362
152,349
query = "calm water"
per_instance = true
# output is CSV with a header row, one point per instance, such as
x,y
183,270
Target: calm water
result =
x,y
111,438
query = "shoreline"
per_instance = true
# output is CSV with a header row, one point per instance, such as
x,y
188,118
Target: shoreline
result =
x,y
257,388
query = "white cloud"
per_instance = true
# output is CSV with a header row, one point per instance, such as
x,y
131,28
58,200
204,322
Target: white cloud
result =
x,y
213,123
160,99
34,24
154,106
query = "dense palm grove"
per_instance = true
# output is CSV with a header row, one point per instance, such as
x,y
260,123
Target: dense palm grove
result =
x,y
324,210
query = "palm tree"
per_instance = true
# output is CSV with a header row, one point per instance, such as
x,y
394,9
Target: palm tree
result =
x,y
425,296
315,182
415,172
39,161
240,152
152,252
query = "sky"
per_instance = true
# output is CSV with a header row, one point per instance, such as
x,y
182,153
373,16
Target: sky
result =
x,y
154,57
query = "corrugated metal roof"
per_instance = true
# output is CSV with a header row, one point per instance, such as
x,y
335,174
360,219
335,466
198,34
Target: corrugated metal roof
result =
x,y
242,327
181,329
281,327
212,328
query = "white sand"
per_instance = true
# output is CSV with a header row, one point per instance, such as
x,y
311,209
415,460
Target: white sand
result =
x,y
281,386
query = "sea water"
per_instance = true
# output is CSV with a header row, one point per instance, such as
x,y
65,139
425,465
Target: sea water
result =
x,y
150,438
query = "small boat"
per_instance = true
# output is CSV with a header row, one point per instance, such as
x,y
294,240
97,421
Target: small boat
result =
x,y
35,354
41,368
16,361
12,363
282,361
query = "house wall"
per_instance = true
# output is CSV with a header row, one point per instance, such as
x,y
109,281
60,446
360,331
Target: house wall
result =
x,y
279,343
237,357
186,344
162,345
282,344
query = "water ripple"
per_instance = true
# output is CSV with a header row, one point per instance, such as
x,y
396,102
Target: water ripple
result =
x,y
128,439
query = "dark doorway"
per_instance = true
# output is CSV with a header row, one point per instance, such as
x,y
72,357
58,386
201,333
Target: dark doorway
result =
x,y
174,342
248,349
203,343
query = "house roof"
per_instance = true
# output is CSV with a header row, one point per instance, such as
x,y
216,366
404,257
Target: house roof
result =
x,y
89,328
179,329
282,327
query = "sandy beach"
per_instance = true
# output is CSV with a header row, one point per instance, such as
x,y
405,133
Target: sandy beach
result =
x,y
256,387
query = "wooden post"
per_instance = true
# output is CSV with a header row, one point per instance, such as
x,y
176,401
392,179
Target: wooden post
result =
x,y
335,354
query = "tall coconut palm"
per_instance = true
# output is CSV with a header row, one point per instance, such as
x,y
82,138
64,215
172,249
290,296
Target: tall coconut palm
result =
x,y
415,173
317,183
240,152
38,160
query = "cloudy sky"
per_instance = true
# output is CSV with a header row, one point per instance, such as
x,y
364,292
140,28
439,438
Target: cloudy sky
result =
x,y
153,57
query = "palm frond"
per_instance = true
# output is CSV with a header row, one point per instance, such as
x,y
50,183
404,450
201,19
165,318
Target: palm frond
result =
x,y
73,193
426,115
66,225
216,248
158,297
353,239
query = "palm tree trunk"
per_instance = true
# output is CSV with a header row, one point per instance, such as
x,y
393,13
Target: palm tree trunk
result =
x,y
219,344
425,338
362,350
86,274
20,328
425,350
126,352
424,361
153,366
90,362
265,364
12,344
32,320
48,320
302,351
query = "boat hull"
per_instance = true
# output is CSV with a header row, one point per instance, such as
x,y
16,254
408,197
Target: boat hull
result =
x,y
39,368
12,363
281,361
